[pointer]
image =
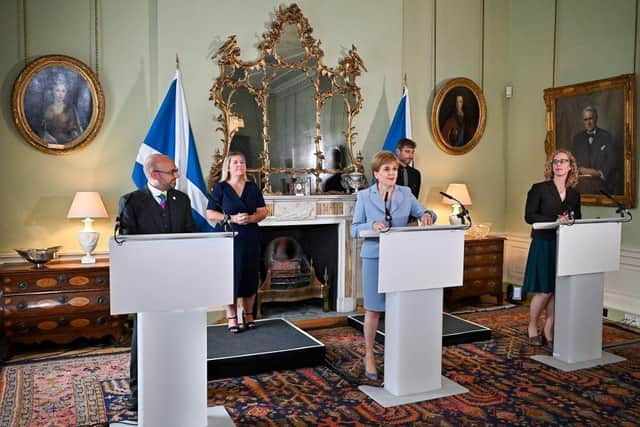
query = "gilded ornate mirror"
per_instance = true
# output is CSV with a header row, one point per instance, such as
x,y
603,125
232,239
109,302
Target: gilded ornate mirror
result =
x,y
291,115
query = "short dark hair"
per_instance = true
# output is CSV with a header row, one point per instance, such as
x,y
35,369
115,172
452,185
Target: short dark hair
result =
x,y
405,142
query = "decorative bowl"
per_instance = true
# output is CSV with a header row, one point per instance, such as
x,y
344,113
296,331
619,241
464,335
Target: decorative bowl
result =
x,y
39,257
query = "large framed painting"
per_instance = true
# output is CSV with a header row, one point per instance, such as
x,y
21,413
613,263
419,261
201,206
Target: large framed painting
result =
x,y
458,116
57,104
596,121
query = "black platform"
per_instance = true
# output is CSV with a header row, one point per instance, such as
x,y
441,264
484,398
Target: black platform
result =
x,y
454,330
275,344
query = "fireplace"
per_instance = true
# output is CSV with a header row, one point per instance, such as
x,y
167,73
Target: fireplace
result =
x,y
319,225
289,274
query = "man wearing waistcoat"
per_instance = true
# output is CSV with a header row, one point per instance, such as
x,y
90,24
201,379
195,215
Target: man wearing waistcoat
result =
x,y
157,208
595,153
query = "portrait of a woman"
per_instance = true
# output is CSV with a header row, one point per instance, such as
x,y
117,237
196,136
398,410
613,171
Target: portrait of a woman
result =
x,y
61,123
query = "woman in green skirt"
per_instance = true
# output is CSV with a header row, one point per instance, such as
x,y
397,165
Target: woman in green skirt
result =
x,y
554,199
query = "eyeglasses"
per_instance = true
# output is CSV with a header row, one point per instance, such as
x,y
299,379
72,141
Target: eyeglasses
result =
x,y
171,172
559,161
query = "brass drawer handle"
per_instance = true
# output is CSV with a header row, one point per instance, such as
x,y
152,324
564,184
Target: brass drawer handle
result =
x,y
101,320
100,281
63,321
102,300
21,305
23,285
63,299
62,278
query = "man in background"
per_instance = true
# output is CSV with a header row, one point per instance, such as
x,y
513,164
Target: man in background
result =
x,y
595,153
407,175
156,208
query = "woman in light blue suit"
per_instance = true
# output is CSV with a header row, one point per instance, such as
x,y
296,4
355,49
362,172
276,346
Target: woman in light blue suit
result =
x,y
382,205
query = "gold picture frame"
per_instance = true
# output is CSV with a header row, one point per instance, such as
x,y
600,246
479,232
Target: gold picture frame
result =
x,y
458,133
607,159
57,104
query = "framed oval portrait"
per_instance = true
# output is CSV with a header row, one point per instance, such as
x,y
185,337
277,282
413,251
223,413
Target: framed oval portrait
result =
x,y
458,116
57,104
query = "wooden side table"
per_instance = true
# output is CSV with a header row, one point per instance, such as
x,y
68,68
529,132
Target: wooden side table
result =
x,y
59,303
482,270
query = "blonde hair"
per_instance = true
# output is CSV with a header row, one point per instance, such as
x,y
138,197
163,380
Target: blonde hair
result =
x,y
382,158
572,176
227,161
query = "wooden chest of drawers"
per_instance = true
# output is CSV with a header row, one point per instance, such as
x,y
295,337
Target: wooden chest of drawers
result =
x,y
482,270
59,303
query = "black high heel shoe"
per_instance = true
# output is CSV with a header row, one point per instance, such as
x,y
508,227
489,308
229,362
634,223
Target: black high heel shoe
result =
x,y
251,324
233,329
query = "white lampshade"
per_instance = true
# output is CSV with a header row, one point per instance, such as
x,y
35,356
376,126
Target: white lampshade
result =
x,y
460,192
87,205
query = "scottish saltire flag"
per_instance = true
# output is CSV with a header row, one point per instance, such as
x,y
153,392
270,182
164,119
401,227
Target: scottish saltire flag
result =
x,y
401,124
170,134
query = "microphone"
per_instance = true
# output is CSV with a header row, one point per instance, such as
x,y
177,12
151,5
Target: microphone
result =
x,y
462,215
387,212
622,211
124,201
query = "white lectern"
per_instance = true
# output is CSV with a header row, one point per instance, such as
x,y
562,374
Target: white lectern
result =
x,y
586,250
170,280
416,263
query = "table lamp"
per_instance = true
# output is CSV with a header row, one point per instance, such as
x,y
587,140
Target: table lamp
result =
x,y
87,205
460,192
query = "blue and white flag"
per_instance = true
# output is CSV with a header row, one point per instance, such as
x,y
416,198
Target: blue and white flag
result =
x,y
401,124
171,134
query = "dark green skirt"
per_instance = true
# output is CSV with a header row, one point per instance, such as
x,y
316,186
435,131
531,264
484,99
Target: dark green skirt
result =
x,y
540,274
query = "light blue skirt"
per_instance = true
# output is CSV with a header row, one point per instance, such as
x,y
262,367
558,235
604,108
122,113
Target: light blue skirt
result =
x,y
373,300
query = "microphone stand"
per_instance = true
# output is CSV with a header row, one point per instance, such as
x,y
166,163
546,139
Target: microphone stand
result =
x,y
622,211
464,213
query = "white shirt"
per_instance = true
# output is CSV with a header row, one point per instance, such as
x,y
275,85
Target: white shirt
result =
x,y
156,193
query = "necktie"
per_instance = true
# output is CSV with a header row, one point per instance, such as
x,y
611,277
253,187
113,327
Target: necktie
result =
x,y
163,200
405,176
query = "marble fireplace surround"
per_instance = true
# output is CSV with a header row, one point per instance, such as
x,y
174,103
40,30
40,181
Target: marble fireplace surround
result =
x,y
323,209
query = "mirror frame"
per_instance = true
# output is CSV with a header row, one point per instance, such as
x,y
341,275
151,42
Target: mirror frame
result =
x,y
343,83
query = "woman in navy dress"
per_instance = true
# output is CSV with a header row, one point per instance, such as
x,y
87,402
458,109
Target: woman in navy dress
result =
x,y
382,205
554,199
237,201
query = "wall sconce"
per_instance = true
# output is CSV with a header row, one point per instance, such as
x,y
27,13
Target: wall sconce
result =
x,y
460,192
87,205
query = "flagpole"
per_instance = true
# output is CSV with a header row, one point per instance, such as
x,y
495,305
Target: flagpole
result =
x,y
177,62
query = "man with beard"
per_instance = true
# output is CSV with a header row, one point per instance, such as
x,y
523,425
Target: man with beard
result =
x,y
457,130
407,175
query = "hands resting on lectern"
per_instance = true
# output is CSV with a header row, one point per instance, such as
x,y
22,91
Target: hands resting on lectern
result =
x,y
426,219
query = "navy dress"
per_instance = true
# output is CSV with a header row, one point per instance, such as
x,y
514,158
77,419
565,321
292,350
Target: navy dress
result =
x,y
246,246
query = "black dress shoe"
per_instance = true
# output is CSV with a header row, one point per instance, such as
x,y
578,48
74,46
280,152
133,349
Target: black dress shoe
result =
x,y
132,405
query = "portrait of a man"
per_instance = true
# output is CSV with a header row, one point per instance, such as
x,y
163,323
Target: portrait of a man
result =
x,y
592,127
459,117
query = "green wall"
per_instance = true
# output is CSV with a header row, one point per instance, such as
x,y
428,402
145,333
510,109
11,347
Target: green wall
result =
x,y
138,44
593,40
493,42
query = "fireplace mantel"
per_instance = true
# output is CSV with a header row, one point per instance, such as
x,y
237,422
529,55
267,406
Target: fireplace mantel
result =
x,y
323,209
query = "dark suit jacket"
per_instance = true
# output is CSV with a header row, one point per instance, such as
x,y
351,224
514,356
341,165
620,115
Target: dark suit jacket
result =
x,y
140,213
544,205
414,179
600,155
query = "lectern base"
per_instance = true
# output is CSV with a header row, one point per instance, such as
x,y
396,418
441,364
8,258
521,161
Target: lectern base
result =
x,y
606,359
387,400
217,416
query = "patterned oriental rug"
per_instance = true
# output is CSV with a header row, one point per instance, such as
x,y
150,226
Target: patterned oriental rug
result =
x,y
506,386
